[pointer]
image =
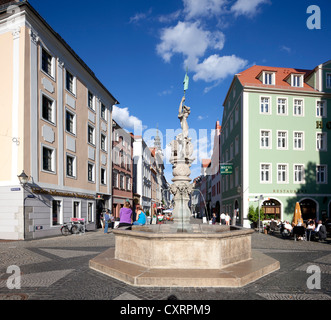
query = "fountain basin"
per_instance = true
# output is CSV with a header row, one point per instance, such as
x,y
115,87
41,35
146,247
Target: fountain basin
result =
x,y
207,248
208,256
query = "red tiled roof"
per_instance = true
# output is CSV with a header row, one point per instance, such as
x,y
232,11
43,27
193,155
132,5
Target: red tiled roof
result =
x,y
250,76
205,162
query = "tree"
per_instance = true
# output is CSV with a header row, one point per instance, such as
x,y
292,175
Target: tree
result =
x,y
253,214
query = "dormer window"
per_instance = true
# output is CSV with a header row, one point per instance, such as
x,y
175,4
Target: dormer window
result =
x,y
269,78
297,80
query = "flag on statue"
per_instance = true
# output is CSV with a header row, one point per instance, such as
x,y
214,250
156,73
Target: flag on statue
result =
x,y
186,82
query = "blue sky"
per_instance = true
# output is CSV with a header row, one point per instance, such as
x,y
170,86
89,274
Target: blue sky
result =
x,y
140,50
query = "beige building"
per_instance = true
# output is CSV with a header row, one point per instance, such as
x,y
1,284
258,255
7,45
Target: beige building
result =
x,y
55,124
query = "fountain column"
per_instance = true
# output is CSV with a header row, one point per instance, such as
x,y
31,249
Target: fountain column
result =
x,y
181,159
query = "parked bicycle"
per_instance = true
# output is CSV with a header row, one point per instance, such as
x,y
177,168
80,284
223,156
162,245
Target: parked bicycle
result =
x,y
73,227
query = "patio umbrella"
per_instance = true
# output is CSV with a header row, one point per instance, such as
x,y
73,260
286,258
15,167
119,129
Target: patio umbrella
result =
x,y
297,214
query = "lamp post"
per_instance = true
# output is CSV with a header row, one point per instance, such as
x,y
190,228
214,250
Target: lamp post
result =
x,y
23,178
260,198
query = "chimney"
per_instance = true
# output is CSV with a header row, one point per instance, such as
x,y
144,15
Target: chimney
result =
x,y
3,2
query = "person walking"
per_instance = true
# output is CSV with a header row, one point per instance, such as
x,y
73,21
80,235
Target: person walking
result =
x,y
222,218
227,219
107,220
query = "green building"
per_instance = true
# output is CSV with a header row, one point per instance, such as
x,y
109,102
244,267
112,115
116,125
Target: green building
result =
x,y
275,128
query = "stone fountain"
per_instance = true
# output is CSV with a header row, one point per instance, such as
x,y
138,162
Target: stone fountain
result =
x,y
183,254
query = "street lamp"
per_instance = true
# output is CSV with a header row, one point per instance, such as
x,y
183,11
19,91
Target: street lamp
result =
x,y
260,198
24,179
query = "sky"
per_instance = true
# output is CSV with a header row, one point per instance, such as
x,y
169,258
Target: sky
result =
x,y
141,49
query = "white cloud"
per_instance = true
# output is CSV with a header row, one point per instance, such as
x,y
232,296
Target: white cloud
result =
x,y
140,16
247,8
285,48
127,121
218,68
201,8
190,40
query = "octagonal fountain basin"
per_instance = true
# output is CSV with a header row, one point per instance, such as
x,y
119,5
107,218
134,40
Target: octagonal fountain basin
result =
x,y
205,256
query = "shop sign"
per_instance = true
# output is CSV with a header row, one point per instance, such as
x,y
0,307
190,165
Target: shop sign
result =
x,y
226,169
319,125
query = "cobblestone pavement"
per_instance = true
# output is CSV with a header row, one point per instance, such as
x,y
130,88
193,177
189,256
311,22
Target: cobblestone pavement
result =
x,y
57,269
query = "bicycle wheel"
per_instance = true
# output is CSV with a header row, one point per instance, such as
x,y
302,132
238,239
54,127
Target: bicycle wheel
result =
x,y
75,230
65,230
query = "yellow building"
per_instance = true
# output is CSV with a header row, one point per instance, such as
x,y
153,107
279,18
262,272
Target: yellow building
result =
x,y
55,125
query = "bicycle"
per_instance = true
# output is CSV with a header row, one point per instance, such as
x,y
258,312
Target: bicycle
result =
x,y
73,228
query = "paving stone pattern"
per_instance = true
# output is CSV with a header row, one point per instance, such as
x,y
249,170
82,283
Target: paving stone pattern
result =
x,y
57,269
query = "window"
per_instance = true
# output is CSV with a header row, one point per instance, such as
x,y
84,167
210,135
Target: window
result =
x,y
236,146
265,174
121,182
103,176
298,173
321,109
48,159
328,80
236,175
90,135
321,143
298,141
281,140
76,209
298,107
48,109
56,213
115,179
70,122
128,184
236,115
321,174
70,82
90,172
282,106
282,173
103,142
103,112
297,81
268,78
265,139
265,105
90,212
90,100
71,166
47,63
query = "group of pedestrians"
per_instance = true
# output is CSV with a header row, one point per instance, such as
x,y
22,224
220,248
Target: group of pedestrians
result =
x,y
126,218
225,219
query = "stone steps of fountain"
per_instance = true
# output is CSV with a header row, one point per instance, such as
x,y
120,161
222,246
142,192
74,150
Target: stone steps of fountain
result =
x,y
237,275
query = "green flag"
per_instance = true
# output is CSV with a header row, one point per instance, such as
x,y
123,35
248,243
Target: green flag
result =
x,y
186,82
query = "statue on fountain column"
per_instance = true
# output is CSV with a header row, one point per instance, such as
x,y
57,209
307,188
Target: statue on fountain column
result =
x,y
183,113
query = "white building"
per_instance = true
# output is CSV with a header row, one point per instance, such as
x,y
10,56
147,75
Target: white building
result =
x,y
142,184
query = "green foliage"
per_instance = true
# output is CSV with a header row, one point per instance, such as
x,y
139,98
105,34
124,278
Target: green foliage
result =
x,y
253,214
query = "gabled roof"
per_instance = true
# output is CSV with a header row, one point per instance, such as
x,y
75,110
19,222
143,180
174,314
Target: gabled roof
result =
x,y
250,77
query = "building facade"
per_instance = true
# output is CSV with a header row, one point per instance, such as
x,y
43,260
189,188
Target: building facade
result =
x,y
122,189
275,128
215,172
55,126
